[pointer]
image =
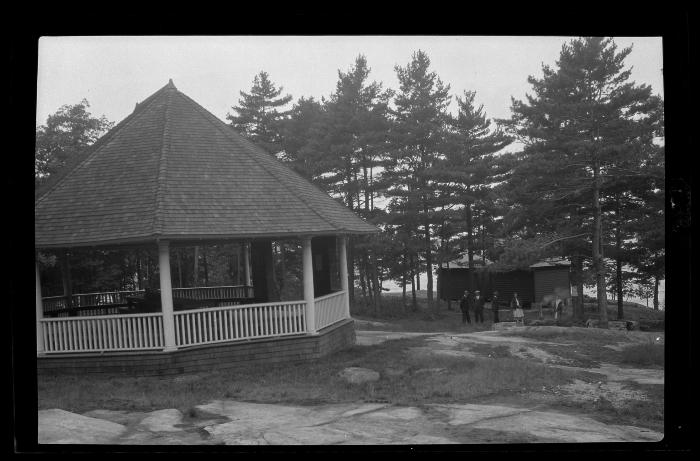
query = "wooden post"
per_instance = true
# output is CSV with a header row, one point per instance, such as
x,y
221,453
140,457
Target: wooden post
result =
x,y
166,296
195,268
309,286
238,264
343,265
246,263
66,279
39,314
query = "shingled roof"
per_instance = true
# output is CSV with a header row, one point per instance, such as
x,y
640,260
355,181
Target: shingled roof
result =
x,y
172,170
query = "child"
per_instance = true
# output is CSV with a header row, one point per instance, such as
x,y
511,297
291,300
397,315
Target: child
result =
x,y
518,313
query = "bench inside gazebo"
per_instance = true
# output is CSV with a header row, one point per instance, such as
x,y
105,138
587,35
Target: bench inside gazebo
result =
x,y
172,174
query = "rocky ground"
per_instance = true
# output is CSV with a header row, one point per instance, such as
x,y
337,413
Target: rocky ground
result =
x,y
517,418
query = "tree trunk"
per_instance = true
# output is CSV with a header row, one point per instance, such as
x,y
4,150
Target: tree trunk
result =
x,y
206,266
618,259
577,266
351,269
597,250
656,292
620,307
414,301
283,267
363,285
66,279
179,267
470,234
195,267
417,272
139,271
428,262
403,283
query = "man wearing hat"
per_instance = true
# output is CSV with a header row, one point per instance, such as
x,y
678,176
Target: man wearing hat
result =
x,y
478,307
464,306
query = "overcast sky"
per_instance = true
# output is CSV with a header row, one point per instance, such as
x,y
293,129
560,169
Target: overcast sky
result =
x,y
113,73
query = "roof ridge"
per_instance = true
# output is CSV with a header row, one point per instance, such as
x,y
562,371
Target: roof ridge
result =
x,y
162,160
228,131
80,158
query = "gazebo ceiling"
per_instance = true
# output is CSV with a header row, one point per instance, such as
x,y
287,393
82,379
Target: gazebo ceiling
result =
x,y
172,170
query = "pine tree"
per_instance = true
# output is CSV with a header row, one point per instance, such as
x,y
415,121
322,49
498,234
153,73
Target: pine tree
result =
x,y
418,139
583,124
355,126
68,131
259,116
301,139
471,167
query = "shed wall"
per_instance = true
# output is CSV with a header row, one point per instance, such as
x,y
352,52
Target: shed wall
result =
x,y
550,281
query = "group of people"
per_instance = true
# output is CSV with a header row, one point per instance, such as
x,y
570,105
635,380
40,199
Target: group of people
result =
x,y
475,303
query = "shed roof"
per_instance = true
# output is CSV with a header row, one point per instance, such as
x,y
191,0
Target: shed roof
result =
x,y
172,170
551,262
463,261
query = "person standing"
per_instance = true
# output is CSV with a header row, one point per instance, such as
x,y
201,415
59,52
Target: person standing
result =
x,y
518,314
464,306
478,307
494,307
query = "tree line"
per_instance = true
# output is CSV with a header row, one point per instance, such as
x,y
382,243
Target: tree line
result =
x,y
577,170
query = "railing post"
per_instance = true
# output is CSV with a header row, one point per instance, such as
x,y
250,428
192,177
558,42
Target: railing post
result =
x,y
39,314
308,286
343,263
166,296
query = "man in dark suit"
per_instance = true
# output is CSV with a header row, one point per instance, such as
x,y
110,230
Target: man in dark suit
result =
x,y
478,307
464,306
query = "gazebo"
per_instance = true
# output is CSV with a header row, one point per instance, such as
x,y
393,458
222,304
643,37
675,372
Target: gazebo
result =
x,y
172,174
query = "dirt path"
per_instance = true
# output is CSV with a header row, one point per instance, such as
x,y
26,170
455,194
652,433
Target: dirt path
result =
x,y
243,423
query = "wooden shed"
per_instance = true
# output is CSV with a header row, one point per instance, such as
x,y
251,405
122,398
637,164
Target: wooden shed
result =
x,y
543,280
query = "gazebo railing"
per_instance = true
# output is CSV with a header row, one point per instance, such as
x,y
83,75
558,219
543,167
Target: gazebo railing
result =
x,y
58,303
230,323
108,303
222,292
98,334
329,309
134,332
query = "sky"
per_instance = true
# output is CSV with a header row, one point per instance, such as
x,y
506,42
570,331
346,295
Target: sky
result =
x,y
114,73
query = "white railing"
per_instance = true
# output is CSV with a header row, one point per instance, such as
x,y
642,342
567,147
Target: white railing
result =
x,y
81,303
96,334
329,309
57,303
134,332
223,292
230,323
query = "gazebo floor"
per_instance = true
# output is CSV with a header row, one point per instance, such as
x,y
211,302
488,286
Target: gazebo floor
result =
x,y
192,359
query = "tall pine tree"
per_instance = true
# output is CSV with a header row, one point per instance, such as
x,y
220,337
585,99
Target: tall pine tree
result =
x,y
582,124
259,115
471,167
418,138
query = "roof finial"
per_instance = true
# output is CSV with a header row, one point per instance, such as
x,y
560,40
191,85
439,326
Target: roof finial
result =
x,y
170,84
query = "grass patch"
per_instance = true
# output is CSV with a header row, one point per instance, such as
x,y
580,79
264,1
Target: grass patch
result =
x,y
415,382
571,334
648,354
489,350
424,321
642,413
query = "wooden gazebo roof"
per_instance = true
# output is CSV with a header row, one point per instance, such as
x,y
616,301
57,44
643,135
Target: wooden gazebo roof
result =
x,y
172,170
